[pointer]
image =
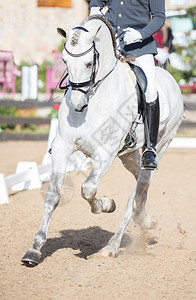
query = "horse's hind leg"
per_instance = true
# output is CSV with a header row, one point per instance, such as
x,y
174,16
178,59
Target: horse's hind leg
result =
x,y
60,155
136,204
143,177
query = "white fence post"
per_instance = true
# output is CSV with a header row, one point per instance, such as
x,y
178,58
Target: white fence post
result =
x,y
32,179
4,198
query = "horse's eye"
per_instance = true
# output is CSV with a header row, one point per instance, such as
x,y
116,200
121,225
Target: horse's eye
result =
x,y
89,65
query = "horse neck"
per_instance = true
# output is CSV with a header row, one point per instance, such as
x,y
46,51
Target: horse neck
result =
x,y
105,48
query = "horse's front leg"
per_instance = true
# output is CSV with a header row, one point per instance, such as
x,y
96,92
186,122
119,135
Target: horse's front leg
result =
x,y
89,187
60,155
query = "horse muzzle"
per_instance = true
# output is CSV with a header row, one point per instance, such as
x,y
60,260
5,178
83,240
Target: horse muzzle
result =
x,y
78,102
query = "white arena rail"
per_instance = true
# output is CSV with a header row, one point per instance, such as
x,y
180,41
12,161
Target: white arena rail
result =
x,y
27,179
181,142
29,175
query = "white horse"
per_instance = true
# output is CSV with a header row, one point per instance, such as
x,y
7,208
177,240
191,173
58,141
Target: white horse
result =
x,y
95,115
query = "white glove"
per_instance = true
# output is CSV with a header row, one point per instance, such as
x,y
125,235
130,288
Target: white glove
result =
x,y
95,11
132,36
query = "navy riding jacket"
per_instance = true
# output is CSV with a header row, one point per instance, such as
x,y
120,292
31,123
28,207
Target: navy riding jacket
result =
x,y
146,16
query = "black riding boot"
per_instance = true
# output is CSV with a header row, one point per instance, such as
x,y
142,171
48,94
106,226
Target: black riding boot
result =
x,y
151,127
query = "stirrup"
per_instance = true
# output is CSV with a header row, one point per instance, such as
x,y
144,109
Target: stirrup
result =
x,y
148,166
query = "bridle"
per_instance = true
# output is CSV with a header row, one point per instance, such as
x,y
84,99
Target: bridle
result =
x,y
77,86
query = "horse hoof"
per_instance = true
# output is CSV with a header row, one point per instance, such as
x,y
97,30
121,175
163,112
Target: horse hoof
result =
x,y
154,223
31,258
107,252
150,222
108,205
113,206
146,221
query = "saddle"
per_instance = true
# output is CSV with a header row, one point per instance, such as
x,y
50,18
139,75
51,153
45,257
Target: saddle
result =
x,y
139,79
141,86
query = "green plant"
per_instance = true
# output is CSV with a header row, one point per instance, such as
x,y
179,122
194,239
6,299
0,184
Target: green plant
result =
x,y
191,11
30,127
8,111
42,75
61,46
188,54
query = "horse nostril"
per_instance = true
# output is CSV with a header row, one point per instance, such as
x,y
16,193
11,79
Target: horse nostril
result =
x,y
81,110
84,106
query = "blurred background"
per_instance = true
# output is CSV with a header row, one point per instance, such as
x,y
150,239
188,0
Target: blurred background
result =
x,y
31,65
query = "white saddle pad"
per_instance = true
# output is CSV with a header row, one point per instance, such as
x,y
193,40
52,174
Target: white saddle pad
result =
x,y
164,109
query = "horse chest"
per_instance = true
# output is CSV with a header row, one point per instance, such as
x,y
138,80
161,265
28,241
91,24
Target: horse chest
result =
x,y
82,144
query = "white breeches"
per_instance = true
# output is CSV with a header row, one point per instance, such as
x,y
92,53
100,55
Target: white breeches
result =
x,y
146,62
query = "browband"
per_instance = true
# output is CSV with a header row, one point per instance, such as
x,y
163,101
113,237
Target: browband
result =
x,y
81,28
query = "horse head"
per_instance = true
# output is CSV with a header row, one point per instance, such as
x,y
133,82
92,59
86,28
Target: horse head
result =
x,y
88,56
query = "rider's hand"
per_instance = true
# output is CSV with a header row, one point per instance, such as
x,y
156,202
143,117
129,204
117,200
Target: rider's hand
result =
x,y
95,11
131,36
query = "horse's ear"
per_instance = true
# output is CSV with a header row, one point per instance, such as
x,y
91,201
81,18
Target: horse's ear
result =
x,y
62,32
95,34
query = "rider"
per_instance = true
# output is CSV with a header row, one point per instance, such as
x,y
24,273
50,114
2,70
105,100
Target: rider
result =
x,y
138,20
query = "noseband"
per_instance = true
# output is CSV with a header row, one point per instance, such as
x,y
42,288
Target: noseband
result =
x,y
77,86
